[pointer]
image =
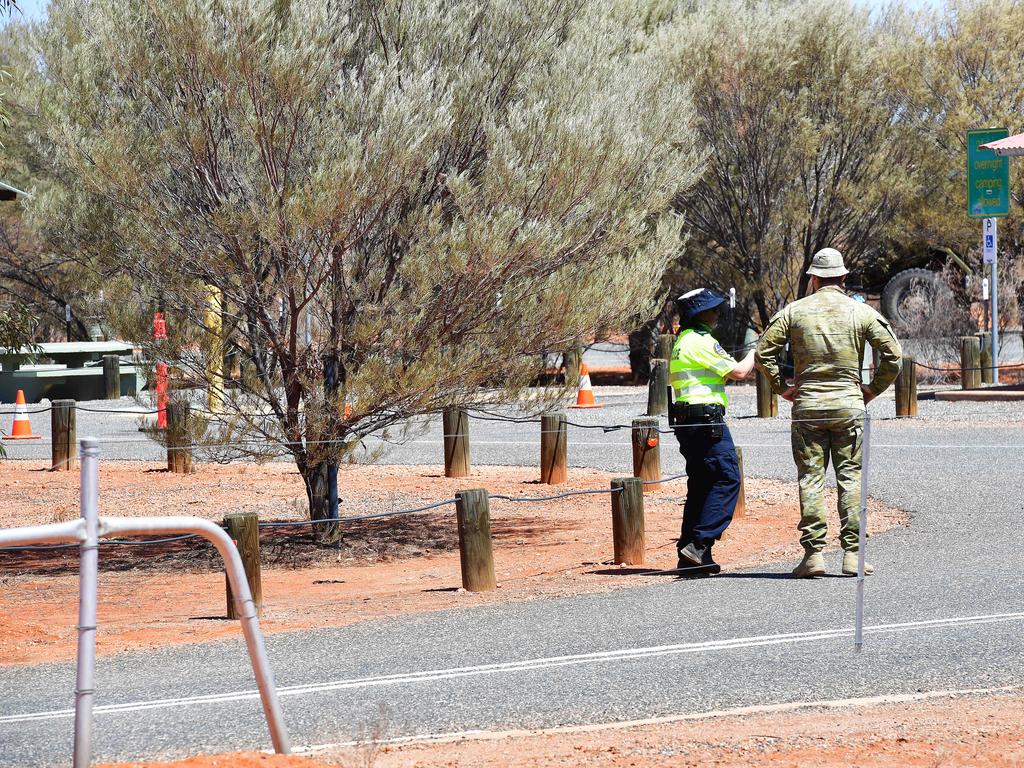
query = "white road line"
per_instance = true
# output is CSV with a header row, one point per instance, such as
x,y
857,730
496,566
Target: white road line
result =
x,y
762,709
625,654
944,446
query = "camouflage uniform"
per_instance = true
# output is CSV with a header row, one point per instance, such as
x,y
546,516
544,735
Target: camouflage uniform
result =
x,y
827,332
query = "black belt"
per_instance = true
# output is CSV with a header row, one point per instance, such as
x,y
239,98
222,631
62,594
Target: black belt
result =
x,y
703,413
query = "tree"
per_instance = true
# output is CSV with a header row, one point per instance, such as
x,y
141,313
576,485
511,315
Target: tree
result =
x,y
37,282
807,145
411,200
962,67
14,323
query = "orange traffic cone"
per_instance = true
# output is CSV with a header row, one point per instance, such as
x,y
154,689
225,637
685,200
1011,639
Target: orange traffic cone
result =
x,y
21,430
585,395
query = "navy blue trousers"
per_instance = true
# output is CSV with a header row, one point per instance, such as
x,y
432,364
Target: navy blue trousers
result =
x,y
712,484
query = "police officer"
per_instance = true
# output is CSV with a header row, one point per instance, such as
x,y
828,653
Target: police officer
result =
x,y
827,332
697,373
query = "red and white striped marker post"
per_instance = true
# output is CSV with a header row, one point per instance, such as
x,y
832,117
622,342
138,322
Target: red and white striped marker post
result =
x,y
160,332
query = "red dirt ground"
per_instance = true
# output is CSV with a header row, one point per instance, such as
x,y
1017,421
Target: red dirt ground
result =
x,y
943,732
385,567
400,565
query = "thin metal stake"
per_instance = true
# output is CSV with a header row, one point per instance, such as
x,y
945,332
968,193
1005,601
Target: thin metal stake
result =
x,y
862,536
88,566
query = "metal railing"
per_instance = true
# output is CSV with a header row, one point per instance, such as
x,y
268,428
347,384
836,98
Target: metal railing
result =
x,y
87,532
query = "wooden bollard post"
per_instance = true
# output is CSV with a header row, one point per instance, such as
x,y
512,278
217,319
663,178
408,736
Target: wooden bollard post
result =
x,y
63,440
666,341
243,528
906,388
970,362
112,377
657,388
456,442
646,448
473,510
741,502
767,400
628,536
987,372
179,437
554,450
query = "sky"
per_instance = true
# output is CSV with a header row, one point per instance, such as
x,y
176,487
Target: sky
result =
x,y
32,9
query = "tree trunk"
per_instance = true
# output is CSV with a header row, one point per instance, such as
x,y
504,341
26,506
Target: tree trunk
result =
x,y
319,492
321,477
762,309
805,282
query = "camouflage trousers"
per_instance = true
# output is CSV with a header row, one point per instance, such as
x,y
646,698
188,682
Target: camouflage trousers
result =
x,y
815,443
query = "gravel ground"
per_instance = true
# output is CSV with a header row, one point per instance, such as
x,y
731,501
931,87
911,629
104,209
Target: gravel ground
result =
x,y
943,612
116,425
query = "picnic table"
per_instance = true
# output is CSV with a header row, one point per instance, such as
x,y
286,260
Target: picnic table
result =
x,y
69,375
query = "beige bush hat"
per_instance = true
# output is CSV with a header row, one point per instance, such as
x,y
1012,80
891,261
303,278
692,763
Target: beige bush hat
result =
x,y
828,262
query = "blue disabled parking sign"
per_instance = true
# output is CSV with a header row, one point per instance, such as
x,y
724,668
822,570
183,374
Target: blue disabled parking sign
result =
x,y
989,241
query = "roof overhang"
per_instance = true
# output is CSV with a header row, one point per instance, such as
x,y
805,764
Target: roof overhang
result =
x,y
1011,146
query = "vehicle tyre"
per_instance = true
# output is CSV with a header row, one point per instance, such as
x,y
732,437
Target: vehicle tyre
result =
x,y
909,297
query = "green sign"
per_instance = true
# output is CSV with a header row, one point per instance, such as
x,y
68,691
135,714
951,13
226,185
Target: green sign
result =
x,y
988,176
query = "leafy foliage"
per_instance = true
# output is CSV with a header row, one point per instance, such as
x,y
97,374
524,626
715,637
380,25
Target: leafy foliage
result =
x,y
962,67
37,275
423,195
806,137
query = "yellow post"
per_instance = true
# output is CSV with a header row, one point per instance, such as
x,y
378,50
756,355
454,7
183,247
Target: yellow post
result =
x,y
215,362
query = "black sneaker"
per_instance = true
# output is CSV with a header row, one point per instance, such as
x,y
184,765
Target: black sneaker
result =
x,y
695,560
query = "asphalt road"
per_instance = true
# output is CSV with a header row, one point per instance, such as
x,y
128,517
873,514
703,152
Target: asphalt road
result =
x,y
943,612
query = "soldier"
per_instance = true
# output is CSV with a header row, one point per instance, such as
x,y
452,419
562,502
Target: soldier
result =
x,y
827,332
697,372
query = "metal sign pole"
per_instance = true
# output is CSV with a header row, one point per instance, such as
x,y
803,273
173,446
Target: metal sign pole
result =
x,y
989,252
995,321
862,536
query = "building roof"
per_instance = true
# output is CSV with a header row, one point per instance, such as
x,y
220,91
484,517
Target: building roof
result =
x,y
1008,147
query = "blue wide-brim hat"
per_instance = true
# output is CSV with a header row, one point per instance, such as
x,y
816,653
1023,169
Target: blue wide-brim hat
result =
x,y
696,301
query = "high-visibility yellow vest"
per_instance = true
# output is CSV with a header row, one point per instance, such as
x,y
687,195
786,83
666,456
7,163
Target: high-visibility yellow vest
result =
x,y
698,368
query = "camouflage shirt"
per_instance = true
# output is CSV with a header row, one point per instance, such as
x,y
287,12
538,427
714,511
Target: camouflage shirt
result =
x,y
827,332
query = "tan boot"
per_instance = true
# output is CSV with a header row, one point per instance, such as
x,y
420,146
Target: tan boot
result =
x,y
811,566
850,565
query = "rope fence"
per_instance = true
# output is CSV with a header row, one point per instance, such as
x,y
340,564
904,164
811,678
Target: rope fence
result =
x,y
480,414
352,518
267,444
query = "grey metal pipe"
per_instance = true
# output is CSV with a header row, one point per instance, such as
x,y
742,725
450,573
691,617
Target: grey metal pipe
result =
x,y
70,532
112,526
862,536
88,567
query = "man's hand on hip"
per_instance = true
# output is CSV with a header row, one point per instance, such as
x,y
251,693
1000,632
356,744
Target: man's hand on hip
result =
x,y
869,395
